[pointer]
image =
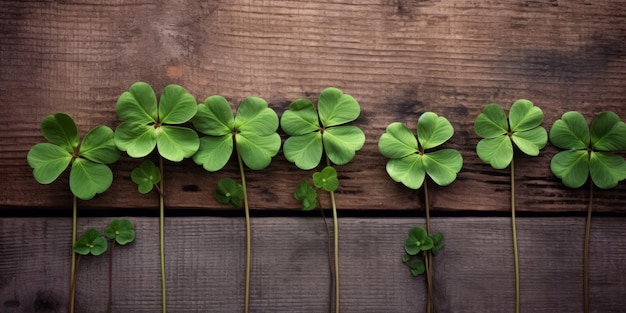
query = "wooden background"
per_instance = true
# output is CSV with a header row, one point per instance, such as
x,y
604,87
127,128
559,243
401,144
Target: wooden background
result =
x,y
398,58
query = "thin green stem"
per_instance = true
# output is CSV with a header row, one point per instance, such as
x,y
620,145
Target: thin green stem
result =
x,y
248,239
336,243
330,257
586,252
73,283
336,234
427,206
110,302
162,236
428,256
513,228
73,258
428,265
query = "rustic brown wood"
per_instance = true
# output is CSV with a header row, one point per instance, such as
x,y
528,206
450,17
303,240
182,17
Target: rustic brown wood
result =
x,y
290,273
398,58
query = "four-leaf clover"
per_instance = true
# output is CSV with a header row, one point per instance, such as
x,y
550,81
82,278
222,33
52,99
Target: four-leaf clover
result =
x,y
587,152
88,175
312,133
253,131
410,158
523,128
148,124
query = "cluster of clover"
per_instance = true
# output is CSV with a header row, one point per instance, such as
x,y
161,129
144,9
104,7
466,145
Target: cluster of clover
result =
x,y
316,134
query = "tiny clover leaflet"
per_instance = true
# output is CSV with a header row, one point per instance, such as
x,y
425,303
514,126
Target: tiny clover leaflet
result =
x,y
417,240
326,179
307,194
314,131
523,128
252,131
120,230
89,174
410,158
146,176
91,242
587,152
229,192
415,264
147,125
437,242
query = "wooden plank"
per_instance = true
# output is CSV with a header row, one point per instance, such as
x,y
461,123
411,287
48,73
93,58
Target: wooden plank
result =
x,y
290,273
398,58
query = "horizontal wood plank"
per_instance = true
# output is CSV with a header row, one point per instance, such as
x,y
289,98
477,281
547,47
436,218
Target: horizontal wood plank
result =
x,y
290,271
397,58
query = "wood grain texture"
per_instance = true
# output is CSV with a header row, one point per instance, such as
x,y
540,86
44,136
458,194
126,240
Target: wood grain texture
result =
x,y
398,58
290,273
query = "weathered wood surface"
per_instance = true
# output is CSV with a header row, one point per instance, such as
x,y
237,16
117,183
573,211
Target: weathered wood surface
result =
x,y
290,273
398,58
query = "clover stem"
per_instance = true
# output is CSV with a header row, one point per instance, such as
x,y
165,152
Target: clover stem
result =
x,y
73,260
336,243
73,283
427,206
336,238
161,235
248,239
330,257
586,252
428,265
513,228
110,302
428,256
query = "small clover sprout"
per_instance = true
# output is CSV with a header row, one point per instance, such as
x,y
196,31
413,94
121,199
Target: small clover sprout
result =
x,y
410,158
437,242
313,131
146,176
417,267
523,127
253,131
91,242
326,179
89,174
148,125
121,231
588,150
417,241
229,192
307,194
416,244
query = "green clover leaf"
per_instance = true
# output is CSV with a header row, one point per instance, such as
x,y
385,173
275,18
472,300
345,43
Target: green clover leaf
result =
x,y
417,267
417,241
148,125
409,159
312,132
89,174
437,242
229,192
307,194
91,242
522,128
121,231
587,151
326,179
252,131
146,176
